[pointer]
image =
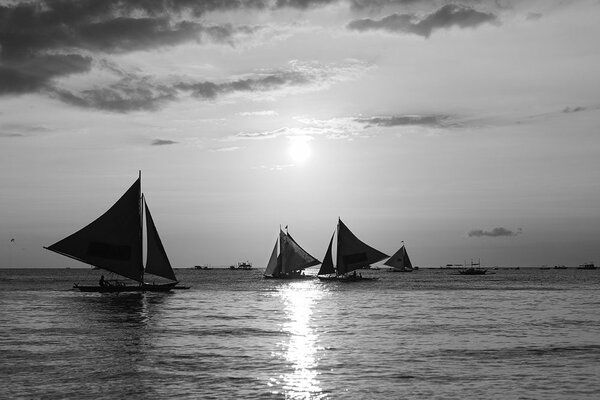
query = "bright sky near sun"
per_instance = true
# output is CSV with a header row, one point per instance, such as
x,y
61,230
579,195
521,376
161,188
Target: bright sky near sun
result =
x,y
468,129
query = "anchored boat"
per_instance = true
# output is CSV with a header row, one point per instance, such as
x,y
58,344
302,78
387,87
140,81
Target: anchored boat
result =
x,y
291,260
400,262
352,254
474,269
113,242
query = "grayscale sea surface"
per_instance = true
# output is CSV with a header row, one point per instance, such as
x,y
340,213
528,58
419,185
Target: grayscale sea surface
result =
x,y
430,334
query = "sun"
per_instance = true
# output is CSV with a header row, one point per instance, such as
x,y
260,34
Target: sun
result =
x,y
299,150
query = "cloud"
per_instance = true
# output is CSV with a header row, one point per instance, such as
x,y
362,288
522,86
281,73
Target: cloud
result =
x,y
447,16
162,142
378,4
22,130
44,40
119,25
405,120
495,232
225,149
266,113
335,128
347,127
36,73
261,135
134,92
276,167
533,16
126,95
569,110
259,83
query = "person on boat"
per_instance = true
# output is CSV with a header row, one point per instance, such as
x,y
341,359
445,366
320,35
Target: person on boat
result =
x,y
103,282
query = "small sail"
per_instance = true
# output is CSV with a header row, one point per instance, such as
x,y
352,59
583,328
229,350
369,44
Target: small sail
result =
x,y
274,265
400,260
113,241
294,257
327,267
157,262
352,253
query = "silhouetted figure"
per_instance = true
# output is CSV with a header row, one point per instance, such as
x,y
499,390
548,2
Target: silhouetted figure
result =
x,y
102,282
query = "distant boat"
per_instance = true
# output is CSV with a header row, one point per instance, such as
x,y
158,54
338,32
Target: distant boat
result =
x,y
352,254
288,259
400,262
113,242
589,265
560,267
246,265
473,270
202,267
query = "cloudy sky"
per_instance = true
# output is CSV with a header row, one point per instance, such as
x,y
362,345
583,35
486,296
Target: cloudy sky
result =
x,y
468,129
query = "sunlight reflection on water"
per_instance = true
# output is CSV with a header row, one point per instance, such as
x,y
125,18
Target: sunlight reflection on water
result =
x,y
300,350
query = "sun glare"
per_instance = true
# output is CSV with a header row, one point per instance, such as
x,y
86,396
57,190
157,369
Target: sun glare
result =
x,y
299,150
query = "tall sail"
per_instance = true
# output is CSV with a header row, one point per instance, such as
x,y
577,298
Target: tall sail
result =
x,y
327,267
294,257
274,265
113,241
157,262
352,253
400,260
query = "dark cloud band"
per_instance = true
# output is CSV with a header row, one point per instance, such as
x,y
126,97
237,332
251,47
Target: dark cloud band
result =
x,y
496,232
447,16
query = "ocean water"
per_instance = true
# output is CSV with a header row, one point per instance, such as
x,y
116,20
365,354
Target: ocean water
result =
x,y
430,334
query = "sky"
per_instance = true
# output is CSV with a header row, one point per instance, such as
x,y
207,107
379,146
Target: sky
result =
x,y
467,129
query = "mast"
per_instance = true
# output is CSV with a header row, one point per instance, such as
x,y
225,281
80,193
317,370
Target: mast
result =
x,y
141,231
337,248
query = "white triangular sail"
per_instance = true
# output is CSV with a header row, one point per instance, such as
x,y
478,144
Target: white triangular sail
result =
x,y
352,253
157,262
294,257
113,241
400,260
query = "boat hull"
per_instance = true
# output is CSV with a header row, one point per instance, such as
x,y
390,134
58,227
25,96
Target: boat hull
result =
x,y
128,288
472,271
289,278
346,278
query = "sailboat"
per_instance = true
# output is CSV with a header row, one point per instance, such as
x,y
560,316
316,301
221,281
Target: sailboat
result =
x,y
291,260
113,242
474,269
352,254
400,262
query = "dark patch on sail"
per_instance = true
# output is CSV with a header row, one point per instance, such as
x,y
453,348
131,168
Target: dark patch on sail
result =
x,y
109,251
355,258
